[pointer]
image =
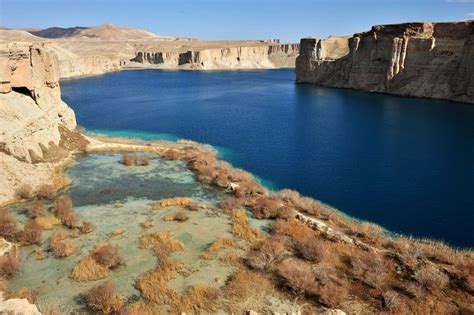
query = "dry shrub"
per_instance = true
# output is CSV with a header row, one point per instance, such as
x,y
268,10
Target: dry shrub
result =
x,y
23,293
138,160
152,284
59,246
104,298
146,225
310,249
142,160
139,308
63,210
230,203
293,228
108,255
313,281
9,265
171,154
194,206
265,253
431,277
37,209
161,243
31,233
198,297
298,276
128,160
305,204
88,269
8,228
271,208
24,192
370,268
180,216
216,247
48,222
231,259
242,228
245,284
391,302
169,202
87,227
45,191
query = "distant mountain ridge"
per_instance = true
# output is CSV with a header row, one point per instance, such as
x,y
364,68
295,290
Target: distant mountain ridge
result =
x,y
107,32
59,32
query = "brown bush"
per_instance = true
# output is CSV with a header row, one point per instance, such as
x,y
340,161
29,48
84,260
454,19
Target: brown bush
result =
x,y
37,209
88,269
271,208
162,243
230,203
142,160
59,246
63,210
108,255
242,228
8,265
87,227
45,191
24,192
128,160
104,298
298,276
370,268
32,233
47,222
8,227
180,216
216,247
310,249
431,277
265,253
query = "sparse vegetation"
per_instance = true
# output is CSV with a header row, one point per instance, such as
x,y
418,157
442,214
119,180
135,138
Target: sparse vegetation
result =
x,y
104,298
265,253
108,255
24,192
180,216
8,265
45,191
32,233
310,249
37,209
137,160
87,227
59,246
63,210
8,226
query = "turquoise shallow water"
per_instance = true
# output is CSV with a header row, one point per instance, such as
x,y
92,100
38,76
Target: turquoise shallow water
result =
x,y
100,181
404,163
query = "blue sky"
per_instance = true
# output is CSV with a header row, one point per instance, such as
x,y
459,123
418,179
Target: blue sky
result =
x,y
288,20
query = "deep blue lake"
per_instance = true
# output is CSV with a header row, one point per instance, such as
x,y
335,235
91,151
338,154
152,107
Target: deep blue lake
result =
x,y
404,163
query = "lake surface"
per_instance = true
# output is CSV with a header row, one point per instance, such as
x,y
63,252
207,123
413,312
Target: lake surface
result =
x,y
404,163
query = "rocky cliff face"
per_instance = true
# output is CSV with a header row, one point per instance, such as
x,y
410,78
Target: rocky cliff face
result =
x,y
31,116
270,55
433,60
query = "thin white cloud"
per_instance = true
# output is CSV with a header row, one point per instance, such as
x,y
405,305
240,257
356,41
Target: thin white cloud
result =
x,y
470,14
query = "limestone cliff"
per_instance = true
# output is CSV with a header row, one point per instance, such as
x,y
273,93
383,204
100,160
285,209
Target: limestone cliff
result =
x,y
31,116
433,60
264,55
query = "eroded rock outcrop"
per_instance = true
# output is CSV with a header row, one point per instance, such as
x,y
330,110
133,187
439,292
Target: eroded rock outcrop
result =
x,y
31,116
433,60
266,55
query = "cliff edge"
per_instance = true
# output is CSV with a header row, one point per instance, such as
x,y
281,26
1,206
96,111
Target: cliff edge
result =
x,y
34,120
434,60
